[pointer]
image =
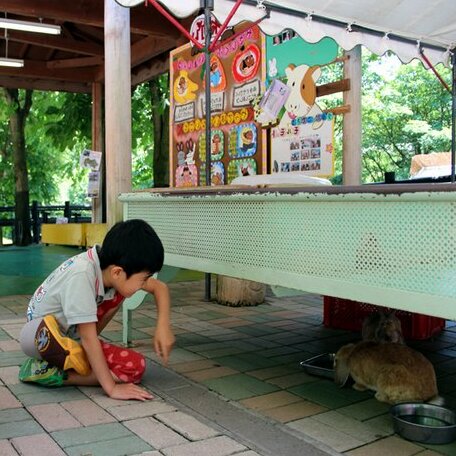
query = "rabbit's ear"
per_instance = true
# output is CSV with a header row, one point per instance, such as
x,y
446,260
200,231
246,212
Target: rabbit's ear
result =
x,y
341,372
341,369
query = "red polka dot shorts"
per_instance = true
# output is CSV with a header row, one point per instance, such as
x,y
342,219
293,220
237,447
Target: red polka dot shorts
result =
x,y
127,365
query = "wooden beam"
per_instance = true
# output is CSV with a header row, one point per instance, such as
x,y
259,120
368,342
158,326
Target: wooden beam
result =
x,y
149,47
117,108
343,109
39,70
147,72
75,63
80,11
143,20
56,42
352,131
98,144
147,21
14,82
333,87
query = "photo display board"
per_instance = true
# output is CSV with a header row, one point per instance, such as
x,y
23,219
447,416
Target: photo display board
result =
x,y
238,144
303,139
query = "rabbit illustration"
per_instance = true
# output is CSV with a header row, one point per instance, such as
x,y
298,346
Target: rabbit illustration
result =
x,y
180,153
396,372
190,157
382,327
272,71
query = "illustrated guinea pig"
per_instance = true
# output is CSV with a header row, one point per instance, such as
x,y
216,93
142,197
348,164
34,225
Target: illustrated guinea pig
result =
x,y
396,372
382,327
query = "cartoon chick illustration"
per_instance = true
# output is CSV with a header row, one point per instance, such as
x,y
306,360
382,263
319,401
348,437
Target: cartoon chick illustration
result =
x,y
184,88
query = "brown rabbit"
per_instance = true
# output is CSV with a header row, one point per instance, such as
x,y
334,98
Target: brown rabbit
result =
x,y
396,372
382,327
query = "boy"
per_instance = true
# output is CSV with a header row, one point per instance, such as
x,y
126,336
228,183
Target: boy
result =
x,y
73,305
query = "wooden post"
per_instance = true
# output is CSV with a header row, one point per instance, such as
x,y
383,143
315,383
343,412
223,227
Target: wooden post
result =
x,y
117,107
352,154
97,144
239,292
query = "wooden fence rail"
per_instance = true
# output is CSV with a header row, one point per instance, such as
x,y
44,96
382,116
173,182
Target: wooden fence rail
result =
x,y
40,214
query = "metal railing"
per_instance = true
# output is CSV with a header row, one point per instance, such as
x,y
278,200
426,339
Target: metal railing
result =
x,y
40,214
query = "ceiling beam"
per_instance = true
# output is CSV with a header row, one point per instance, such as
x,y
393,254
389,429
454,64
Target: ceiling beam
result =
x,y
143,20
36,69
75,63
54,42
149,47
158,66
14,82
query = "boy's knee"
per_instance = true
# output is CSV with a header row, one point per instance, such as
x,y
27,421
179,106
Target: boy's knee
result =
x,y
127,365
27,338
140,368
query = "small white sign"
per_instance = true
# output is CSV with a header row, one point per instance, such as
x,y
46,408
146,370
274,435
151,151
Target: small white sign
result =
x,y
93,187
243,95
217,102
184,112
90,159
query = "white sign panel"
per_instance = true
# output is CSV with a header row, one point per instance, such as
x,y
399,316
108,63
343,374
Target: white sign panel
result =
x,y
184,112
217,102
243,95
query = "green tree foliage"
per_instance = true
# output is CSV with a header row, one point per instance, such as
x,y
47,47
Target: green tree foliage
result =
x,y
57,129
150,111
332,73
142,138
69,131
405,112
6,159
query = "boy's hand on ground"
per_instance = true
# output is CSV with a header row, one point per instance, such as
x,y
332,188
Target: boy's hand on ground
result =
x,y
163,343
125,391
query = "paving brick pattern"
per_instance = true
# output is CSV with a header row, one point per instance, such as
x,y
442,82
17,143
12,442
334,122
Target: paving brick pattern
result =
x,y
246,357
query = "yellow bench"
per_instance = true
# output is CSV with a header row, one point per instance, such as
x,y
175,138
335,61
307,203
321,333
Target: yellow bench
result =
x,y
78,234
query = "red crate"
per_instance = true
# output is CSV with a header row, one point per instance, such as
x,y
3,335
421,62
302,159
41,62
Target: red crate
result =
x,y
345,314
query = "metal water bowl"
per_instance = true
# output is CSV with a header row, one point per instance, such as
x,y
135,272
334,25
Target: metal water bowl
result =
x,y
425,423
321,365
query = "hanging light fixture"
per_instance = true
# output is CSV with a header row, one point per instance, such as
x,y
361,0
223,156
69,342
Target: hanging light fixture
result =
x,y
15,63
7,62
27,26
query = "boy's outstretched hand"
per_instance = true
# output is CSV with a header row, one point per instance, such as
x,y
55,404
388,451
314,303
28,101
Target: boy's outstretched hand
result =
x,y
125,391
163,342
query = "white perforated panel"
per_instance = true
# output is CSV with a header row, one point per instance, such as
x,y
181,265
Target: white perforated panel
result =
x,y
336,246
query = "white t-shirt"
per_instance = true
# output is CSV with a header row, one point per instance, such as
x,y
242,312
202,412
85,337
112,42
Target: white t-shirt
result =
x,y
71,293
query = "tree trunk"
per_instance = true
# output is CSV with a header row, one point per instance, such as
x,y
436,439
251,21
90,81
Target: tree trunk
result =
x,y
17,118
160,121
239,292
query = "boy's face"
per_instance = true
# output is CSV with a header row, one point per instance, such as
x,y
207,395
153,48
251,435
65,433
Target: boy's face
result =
x,y
128,287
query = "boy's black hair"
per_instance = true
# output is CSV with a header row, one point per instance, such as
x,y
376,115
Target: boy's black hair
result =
x,y
134,246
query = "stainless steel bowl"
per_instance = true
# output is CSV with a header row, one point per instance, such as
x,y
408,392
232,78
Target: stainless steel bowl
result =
x,y
320,365
425,423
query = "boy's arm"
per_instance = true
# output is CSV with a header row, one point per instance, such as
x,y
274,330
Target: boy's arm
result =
x,y
95,355
164,338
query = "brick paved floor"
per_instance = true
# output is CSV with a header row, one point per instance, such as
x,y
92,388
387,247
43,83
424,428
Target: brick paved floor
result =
x,y
234,386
